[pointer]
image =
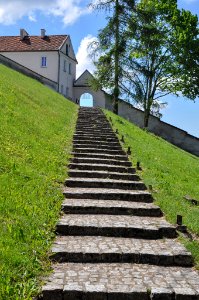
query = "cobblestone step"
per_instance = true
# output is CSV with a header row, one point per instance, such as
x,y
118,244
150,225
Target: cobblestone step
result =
x,y
97,150
99,155
92,121
102,167
101,161
99,147
108,194
91,134
115,226
94,129
110,207
105,183
99,249
95,142
94,138
121,281
112,242
103,174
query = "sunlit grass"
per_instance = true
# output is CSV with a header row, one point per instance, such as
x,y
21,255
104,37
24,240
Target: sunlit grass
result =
x,y
173,174
36,128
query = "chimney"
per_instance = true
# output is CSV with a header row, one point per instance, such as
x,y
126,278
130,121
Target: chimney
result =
x,y
23,34
43,33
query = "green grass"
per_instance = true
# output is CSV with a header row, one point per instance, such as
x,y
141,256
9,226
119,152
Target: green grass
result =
x,y
36,128
173,173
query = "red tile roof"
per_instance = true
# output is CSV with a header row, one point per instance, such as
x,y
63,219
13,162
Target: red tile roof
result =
x,y
32,43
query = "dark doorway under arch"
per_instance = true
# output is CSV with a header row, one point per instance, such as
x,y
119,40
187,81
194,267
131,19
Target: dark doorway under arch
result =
x,y
86,100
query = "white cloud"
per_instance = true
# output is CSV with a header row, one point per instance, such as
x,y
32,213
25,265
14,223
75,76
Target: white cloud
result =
x,y
68,10
84,61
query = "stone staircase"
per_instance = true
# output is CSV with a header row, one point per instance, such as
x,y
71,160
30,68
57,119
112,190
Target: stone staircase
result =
x,y
112,242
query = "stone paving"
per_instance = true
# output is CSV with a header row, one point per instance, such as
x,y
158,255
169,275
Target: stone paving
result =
x,y
127,279
112,242
111,207
105,183
169,251
103,174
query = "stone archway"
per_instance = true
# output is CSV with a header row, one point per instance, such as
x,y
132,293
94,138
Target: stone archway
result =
x,y
86,99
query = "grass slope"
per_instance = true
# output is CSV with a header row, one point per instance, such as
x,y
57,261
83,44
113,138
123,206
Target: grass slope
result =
x,y
173,173
36,128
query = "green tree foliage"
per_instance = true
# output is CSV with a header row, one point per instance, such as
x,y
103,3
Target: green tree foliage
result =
x,y
110,47
148,49
163,54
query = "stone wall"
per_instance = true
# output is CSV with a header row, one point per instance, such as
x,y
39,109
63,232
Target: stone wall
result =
x,y
172,134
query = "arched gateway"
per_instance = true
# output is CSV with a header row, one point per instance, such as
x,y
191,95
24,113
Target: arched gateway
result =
x,y
82,88
86,100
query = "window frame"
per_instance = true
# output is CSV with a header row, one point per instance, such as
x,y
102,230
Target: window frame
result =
x,y
70,68
65,66
44,62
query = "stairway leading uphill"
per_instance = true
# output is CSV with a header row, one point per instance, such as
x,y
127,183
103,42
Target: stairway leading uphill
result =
x,y
112,242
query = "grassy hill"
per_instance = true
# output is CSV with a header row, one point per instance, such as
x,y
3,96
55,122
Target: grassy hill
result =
x,y
36,128
173,174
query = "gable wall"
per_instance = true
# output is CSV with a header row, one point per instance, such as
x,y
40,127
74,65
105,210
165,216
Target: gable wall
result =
x,y
67,75
67,79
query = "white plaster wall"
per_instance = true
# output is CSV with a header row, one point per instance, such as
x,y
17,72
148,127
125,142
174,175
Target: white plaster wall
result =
x,y
66,79
32,60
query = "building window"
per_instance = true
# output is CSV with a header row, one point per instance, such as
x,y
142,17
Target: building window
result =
x,y
69,69
65,66
44,61
67,49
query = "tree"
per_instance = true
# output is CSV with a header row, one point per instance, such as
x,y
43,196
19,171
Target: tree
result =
x,y
111,46
162,54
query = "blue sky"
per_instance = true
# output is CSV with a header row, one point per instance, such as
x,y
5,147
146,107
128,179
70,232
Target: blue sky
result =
x,y
73,17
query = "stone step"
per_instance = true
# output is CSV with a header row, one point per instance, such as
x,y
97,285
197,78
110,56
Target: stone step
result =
x,y
91,134
99,155
108,194
95,116
101,167
95,142
110,207
100,249
103,174
115,226
93,126
92,122
98,131
94,138
100,146
101,161
96,128
121,281
96,150
105,183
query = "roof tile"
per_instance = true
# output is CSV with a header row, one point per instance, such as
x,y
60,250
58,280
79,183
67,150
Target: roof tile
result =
x,y
32,43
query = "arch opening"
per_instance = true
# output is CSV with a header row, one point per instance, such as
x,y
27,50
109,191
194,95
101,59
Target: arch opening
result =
x,y
86,100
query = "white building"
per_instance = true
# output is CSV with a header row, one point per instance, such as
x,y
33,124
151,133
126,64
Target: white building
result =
x,y
51,56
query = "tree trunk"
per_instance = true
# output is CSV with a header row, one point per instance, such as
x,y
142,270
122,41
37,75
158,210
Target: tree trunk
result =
x,y
116,54
146,117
